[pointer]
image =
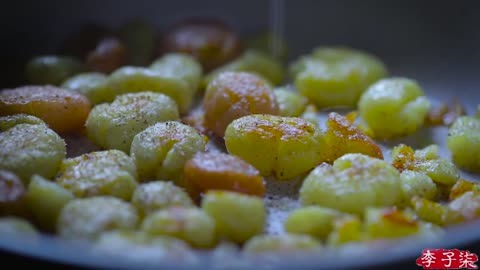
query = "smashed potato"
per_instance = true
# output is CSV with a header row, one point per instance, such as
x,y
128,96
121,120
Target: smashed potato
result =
x,y
89,217
462,186
353,183
136,79
93,85
343,137
312,220
464,142
161,150
394,107
389,223
285,244
219,171
232,95
290,103
347,229
181,66
51,69
418,184
109,172
63,110
113,126
283,146
189,224
238,217
27,149
157,195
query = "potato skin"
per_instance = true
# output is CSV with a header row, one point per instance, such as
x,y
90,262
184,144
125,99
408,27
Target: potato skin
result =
x,y
63,110
87,218
353,183
232,95
113,126
27,149
161,151
110,172
463,141
238,217
219,171
283,146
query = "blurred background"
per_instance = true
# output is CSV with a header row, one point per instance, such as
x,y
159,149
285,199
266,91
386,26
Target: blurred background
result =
x,y
434,38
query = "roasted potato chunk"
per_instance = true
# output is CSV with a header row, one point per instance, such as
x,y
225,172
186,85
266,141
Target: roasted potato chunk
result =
x,y
136,79
46,199
283,146
189,224
434,212
27,149
181,66
7,122
87,218
161,150
462,186
354,182
109,172
345,230
336,76
63,110
343,137
219,171
109,55
113,126
232,95
158,195
394,107
464,143
238,217
52,69
290,103
315,221
282,244
418,184
389,223
93,85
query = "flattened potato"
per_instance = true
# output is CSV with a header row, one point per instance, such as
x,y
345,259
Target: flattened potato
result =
x,y
182,66
312,220
109,172
282,244
290,103
61,109
464,142
113,126
283,146
353,183
232,95
161,150
93,85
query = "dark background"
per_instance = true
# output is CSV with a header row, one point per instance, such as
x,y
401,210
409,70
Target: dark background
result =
x,y
435,42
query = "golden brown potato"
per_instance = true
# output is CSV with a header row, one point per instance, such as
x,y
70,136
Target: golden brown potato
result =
x,y
343,137
210,41
232,95
218,171
461,187
62,110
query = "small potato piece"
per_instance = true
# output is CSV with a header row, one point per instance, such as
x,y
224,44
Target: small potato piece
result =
x,y
61,109
210,41
142,247
12,194
87,218
157,195
336,76
113,126
52,70
343,137
389,223
232,95
7,122
354,182
283,146
290,103
433,212
136,79
282,244
181,66
464,142
189,224
346,229
311,220
27,149
109,55
238,217
256,62
109,172
441,171
93,85
219,171
418,184
467,206
16,226
46,199
394,107
161,150
462,186
311,115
